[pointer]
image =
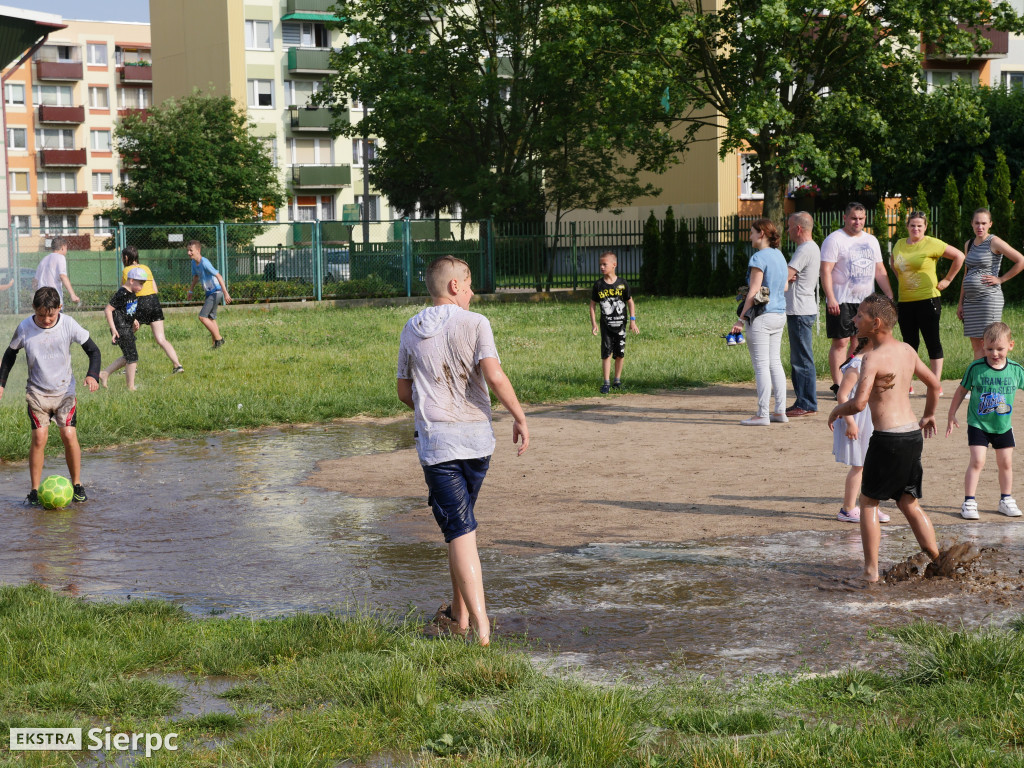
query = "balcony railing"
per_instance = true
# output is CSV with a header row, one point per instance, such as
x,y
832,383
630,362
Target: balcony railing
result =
x,y
137,73
310,6
321,176
312,61
142,112
58,70
65,201
54,158
306,119
48,113
999,46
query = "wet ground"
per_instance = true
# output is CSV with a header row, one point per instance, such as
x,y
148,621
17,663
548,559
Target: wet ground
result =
x,y
223,526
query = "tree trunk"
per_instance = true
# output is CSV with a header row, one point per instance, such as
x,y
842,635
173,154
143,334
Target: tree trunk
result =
x,y
774,194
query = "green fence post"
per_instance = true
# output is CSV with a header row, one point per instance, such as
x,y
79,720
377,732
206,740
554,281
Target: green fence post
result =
x,y
16,264
221,239
407,254
318,264
119,241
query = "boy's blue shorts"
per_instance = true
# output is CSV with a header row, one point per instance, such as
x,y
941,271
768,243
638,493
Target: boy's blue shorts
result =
x,y
454,486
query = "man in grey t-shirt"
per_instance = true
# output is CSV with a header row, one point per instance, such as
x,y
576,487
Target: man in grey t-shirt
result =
x,y
802,312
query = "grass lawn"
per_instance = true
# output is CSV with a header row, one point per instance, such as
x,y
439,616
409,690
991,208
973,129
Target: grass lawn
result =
x,y
291,366
328,690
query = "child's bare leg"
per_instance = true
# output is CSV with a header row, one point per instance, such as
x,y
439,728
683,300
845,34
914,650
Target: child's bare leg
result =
x,y
852,488
468,605
920,524
72,453
606,367
1004,460
618,367
974,467
870,537
164,344
114,366
35,454
129,375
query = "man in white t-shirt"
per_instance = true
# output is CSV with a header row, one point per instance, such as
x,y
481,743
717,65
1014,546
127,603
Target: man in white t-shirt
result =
x,y
52,271
851,264
802,312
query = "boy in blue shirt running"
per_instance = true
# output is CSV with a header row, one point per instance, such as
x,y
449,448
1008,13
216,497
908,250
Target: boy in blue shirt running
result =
x,y
214,286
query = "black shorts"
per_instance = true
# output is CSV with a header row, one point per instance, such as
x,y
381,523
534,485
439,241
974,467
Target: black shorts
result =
x,y
126,341
892,465
613,342
149,310
841,326
977,436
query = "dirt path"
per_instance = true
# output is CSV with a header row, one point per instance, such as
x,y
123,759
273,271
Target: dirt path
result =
x,y
671,467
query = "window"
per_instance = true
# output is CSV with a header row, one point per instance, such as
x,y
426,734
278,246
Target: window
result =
x,y
53,95
101,225
747,189
311,151
134,98
1013,79
99,141
124,56
14,94
57,181
55,138
125,178
363,149
300,93
942,78
103,182
17,138
60,225
259,35
96,54
306,34
311,207
63,53
370,212
21,224
271,146
261,94
19,182
99,97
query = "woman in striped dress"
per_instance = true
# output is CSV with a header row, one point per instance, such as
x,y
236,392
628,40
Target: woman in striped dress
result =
x,y
981,298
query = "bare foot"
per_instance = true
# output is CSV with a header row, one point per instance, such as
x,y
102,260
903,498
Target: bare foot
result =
x,y
103,378
132,389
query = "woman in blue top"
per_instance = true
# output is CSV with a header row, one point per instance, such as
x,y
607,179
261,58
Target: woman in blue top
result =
x,y
764,334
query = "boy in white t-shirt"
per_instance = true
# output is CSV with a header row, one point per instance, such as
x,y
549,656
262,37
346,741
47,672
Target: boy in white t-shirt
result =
x,y
446,362
50,390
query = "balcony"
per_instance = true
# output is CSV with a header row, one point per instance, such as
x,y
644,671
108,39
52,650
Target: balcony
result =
x,y
65,201
309,61
61,158
998,49
306,119
136,73
58,70
142,112
322,7
321,176
49,113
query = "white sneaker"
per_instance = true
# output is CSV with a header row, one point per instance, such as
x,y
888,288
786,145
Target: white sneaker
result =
x,y
969,509
756,421
779,418
1008,506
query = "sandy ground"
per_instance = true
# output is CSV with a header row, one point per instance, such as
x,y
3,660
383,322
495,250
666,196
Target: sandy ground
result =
x,y
670,467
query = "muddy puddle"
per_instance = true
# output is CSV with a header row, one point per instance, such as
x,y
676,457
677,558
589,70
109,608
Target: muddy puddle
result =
x,y
223,526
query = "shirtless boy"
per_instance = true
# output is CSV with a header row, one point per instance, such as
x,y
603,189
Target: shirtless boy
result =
x,y
892,466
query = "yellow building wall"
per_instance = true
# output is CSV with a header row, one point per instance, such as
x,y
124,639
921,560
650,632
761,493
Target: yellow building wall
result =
x,y
198,44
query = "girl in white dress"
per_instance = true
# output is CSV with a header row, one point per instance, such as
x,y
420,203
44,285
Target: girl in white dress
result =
x,y
849,444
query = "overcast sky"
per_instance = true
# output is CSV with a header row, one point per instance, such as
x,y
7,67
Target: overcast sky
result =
x,y
91,10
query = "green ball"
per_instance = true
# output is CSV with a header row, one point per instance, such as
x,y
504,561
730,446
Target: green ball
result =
x,y
56,492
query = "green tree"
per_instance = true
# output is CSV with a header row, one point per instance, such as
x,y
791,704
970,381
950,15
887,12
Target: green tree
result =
x,y
1016,228
700,268
880,221
720,277
684,259
949,212
651,256
193,161
974,198
488,104
999,192
921,202
814,90
667,265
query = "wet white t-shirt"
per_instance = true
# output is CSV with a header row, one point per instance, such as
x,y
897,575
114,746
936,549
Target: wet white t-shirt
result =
x,y
49,353
853,277
440,351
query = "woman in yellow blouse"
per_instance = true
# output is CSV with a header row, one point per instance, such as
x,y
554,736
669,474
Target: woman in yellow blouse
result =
x,y
149,311
914,259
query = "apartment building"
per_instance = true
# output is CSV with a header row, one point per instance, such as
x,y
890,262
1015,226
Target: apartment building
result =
x,y
271,56
61,108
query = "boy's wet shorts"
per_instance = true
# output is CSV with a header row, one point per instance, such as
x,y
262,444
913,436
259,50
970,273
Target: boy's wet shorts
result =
x,y
613,341
841,326
61,409
892,465
126,341
977,436
148,310
454,486
210,305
